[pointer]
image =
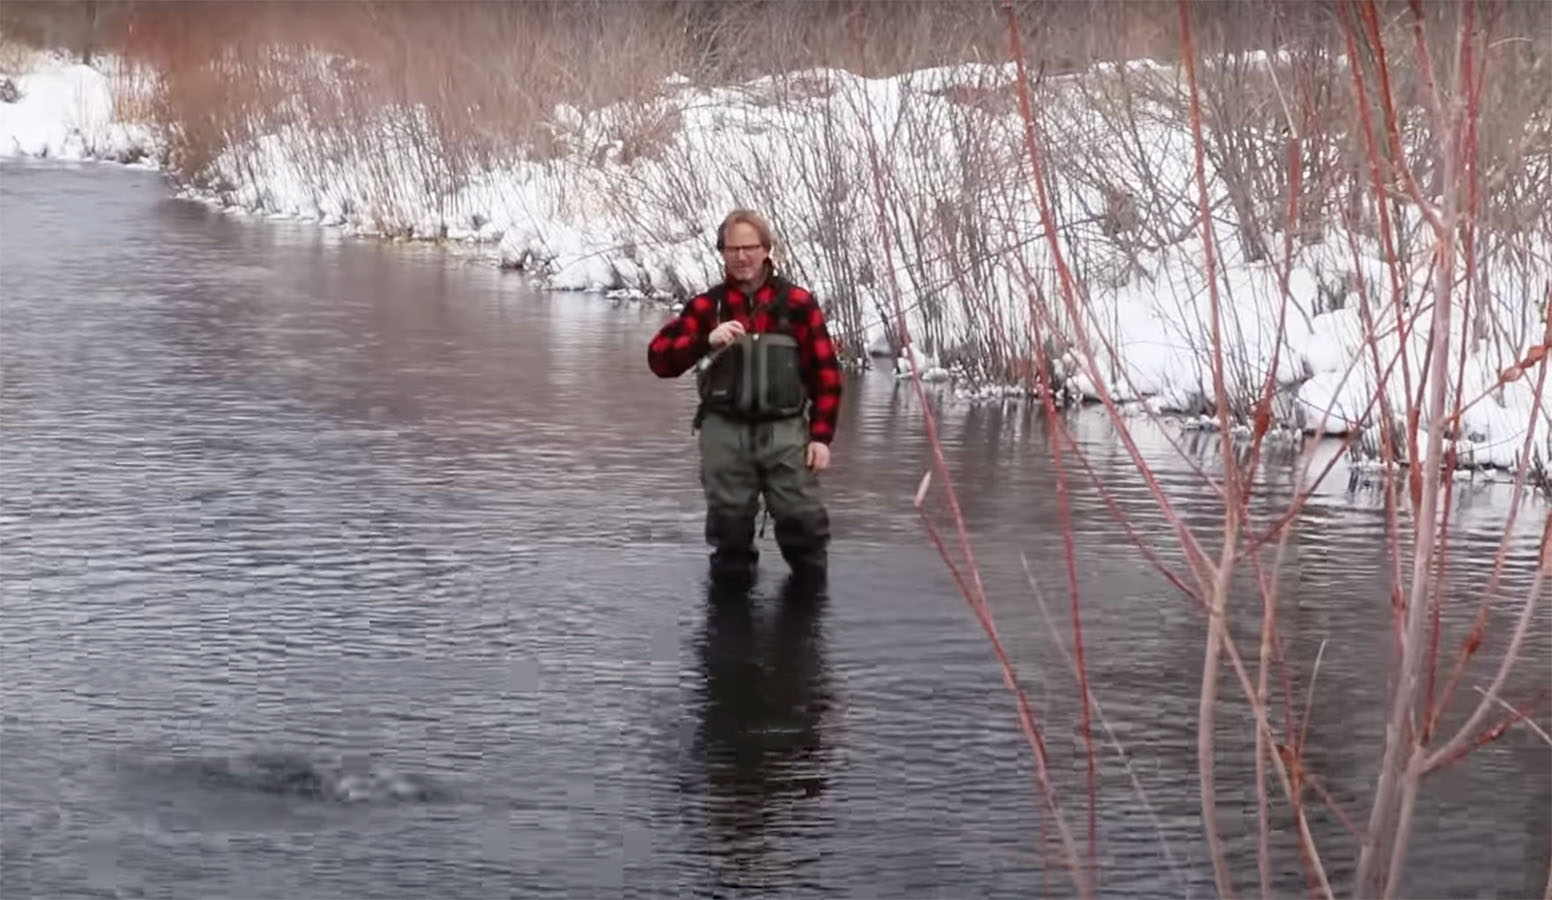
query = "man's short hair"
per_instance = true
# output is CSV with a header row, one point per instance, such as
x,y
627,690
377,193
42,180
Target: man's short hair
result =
x,y
745,217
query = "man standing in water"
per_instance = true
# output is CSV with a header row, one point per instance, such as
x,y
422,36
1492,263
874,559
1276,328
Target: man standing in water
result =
x,y
770,388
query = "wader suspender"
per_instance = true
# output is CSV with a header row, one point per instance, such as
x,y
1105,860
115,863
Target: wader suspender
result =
x,y
779,309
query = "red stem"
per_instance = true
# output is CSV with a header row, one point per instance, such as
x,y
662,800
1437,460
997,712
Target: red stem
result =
x,y
1474,637
1068,548
1218,598
1463,156
1188,540
1488,735
1070,554
974,591
1360,97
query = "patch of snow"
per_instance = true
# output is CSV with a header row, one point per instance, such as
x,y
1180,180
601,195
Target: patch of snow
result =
x,y
925,366
65,110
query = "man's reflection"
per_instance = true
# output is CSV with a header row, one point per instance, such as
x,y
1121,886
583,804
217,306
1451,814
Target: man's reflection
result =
x,y
764,697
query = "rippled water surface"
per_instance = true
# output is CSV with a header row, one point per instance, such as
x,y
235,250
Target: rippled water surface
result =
x,y
333,568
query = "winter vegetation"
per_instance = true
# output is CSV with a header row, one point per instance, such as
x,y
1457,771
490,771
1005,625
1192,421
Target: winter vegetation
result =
x,y
1270,220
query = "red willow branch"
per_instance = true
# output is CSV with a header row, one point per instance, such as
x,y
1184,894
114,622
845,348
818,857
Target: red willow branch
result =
x,y
1193,550
1268,586
1461,153
1048,404
1046,392
1206,571
1268,583
973,589
1386,436
1516,714
1285,773
1527,609
1474,636
1042,319
1039,309
1390,817
1115,742
1387,237
1370,15
1219,595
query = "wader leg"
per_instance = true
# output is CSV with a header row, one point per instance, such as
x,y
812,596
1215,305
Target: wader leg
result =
x,y
793,496
732,484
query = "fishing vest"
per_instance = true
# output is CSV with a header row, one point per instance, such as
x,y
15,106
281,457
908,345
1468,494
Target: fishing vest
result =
x,y
758,377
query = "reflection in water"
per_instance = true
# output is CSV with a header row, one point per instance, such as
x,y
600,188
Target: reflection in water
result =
x,y
763,704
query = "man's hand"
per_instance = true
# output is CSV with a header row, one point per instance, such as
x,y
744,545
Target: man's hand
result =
x,y
818,456
726,333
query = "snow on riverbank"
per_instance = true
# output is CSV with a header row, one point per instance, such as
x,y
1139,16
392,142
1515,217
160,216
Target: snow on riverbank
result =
x,y
64,110
627,199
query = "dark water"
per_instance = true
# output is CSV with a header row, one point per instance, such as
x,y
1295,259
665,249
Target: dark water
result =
x,y
338,569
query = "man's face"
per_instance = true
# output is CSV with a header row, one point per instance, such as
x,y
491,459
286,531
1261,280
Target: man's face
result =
x,y
743,253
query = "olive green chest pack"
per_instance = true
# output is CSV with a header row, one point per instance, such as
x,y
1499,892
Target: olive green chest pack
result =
x,y
758,377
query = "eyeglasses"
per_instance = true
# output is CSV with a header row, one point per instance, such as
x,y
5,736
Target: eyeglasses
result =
x,y
732,249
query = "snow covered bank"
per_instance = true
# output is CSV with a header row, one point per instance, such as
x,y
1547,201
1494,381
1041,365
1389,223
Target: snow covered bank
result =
x,y
64,110
626,199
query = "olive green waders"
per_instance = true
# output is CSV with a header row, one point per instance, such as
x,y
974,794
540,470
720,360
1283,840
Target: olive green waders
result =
x,y
753,441
740,462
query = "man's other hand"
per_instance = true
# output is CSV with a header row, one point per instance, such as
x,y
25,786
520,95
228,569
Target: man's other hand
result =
x,y
818,456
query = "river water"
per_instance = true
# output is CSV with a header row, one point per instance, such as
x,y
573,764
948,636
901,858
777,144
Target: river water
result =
x,y
334,568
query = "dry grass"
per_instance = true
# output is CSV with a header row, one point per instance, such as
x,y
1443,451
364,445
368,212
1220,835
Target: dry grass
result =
x,y
16,56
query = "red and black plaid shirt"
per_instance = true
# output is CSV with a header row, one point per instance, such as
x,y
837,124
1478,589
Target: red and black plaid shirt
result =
x,y
684,339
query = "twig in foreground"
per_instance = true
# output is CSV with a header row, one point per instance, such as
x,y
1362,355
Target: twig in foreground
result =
x,y
1115,742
